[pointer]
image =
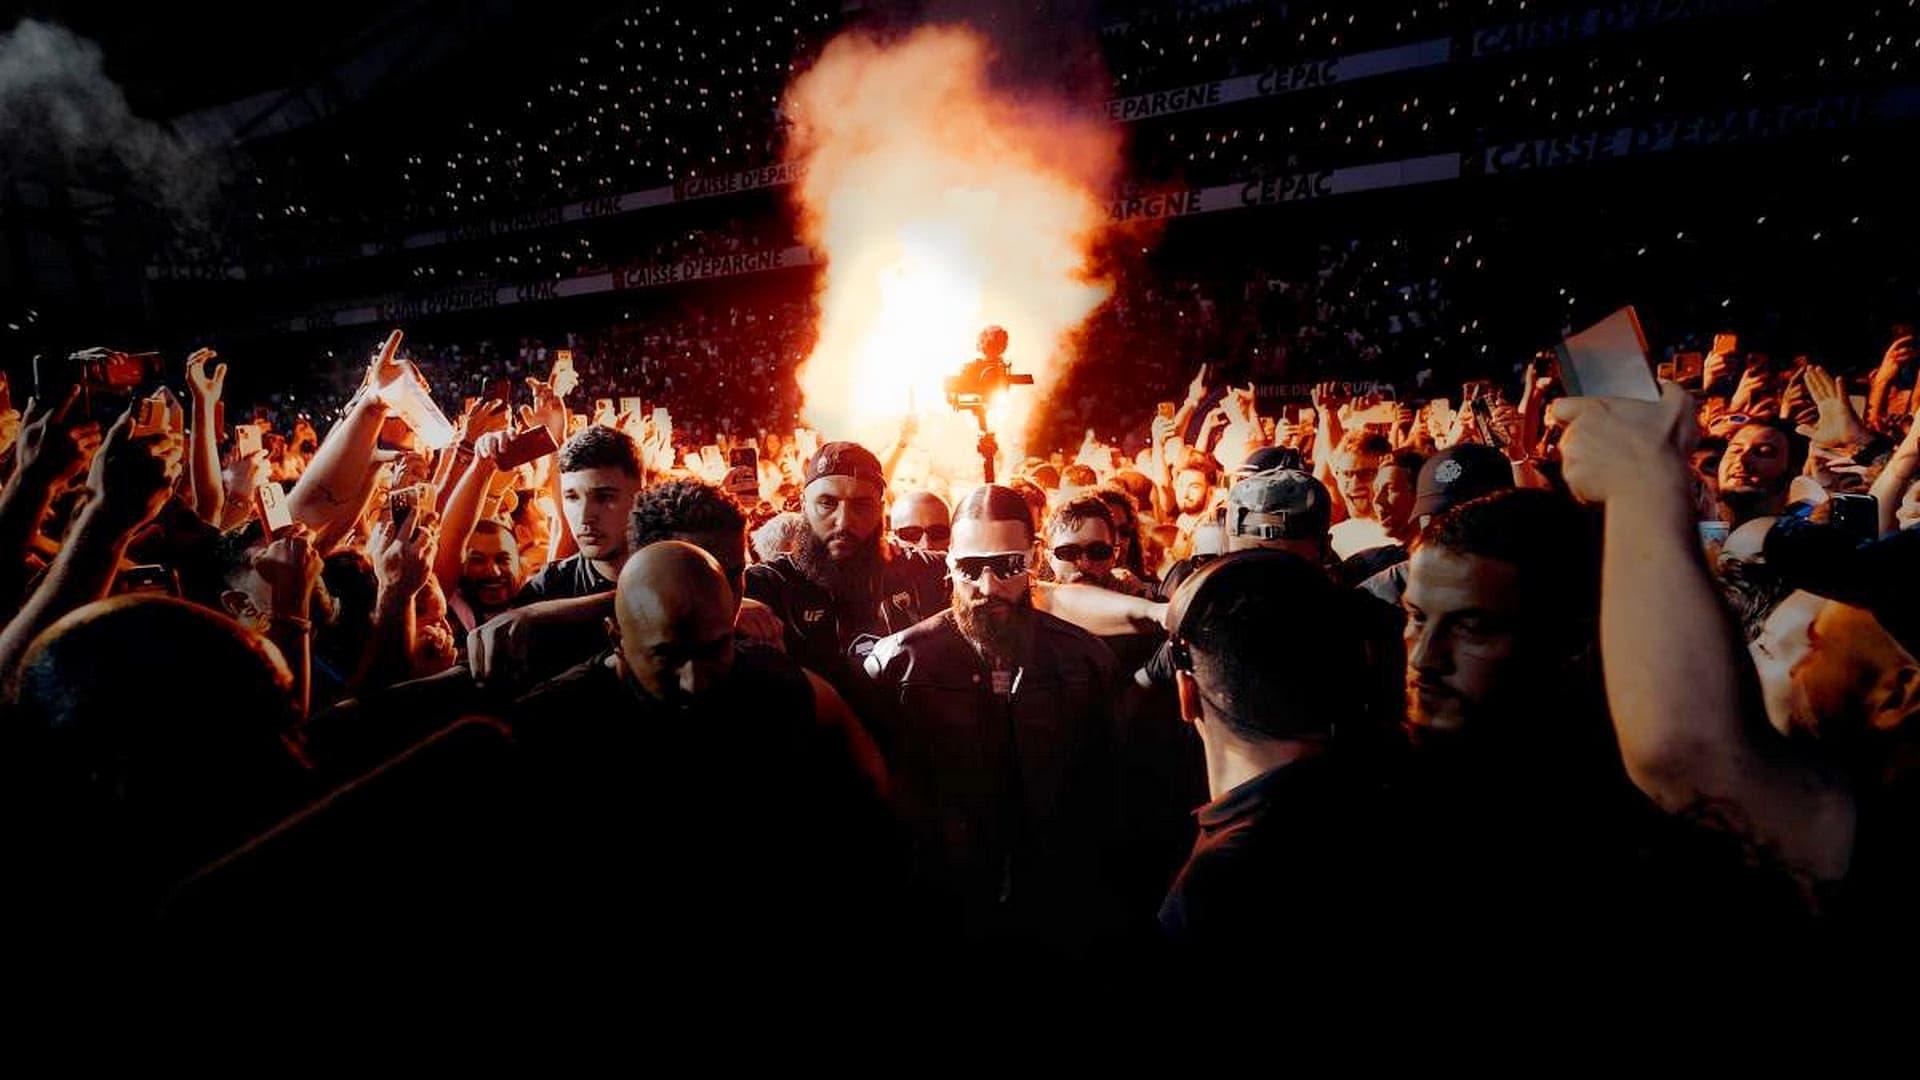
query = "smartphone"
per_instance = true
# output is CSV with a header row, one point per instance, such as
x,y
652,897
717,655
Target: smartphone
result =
x,y
711,460
271,501
1726,344
663,424
402,504
501,390
631,406
1609,359
1482,414
744,457
563,378
603,407
149,418
1856,515
1166,410
149,578
1689,366
530,445
246,439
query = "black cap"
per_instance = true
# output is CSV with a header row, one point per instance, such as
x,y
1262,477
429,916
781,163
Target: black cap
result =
x,y
1459,473
846,459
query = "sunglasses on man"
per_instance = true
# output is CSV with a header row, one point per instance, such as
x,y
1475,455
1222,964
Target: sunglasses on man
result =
x,y
1006,564
912,533
1097,551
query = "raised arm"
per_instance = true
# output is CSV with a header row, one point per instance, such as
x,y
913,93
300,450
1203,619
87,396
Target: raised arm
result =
x,y
1891,484
209,492
1898,356
463,511
1679,683
51,450
129,481
330,495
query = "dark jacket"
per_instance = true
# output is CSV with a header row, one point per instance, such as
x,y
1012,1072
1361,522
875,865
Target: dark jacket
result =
x,y
1011,800
826,633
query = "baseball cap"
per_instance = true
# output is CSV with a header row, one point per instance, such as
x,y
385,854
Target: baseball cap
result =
x,y
845,459
1279,504
1267,458
1459,473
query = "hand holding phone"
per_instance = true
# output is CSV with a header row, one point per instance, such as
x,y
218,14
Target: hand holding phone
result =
x,y
530,445
271,501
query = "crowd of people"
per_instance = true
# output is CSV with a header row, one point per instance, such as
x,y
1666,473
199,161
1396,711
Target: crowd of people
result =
x,y
1553,670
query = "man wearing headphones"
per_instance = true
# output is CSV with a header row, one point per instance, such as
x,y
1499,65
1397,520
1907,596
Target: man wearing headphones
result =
x,y
1287,845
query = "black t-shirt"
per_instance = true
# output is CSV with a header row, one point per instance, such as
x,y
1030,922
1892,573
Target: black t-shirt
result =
x,y
1293,859
566,579
563,580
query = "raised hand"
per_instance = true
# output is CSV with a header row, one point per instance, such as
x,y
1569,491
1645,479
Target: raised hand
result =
x,y
547,410
1897,357
1837,426
130,479
1326,396
487,447
290,566
1162,429
1197,389
53,448
1751,390
383,367
487,416
403,557
204,385
1614,447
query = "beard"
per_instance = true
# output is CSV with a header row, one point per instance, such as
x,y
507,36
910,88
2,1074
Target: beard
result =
x,y
1746,499
999,630
851,576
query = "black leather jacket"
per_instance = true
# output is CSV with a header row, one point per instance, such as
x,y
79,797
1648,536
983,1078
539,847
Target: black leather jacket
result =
x,y
826,633
1011,800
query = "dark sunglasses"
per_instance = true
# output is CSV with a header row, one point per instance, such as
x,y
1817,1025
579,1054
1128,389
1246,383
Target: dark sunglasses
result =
x,y
912,533
1097,551
971,567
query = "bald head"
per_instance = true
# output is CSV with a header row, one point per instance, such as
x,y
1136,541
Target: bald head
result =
x,y
1748,541
920,520
675,614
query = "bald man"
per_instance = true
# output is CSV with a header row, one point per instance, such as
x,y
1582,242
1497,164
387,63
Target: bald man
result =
x,y
920,520
688,778
672,652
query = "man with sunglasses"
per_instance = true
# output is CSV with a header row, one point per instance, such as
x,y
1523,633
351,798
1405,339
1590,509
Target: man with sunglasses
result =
x,y
1082,547
1000,721
920,520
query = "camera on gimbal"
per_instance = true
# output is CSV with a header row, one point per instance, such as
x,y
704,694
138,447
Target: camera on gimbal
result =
x,y
985,375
